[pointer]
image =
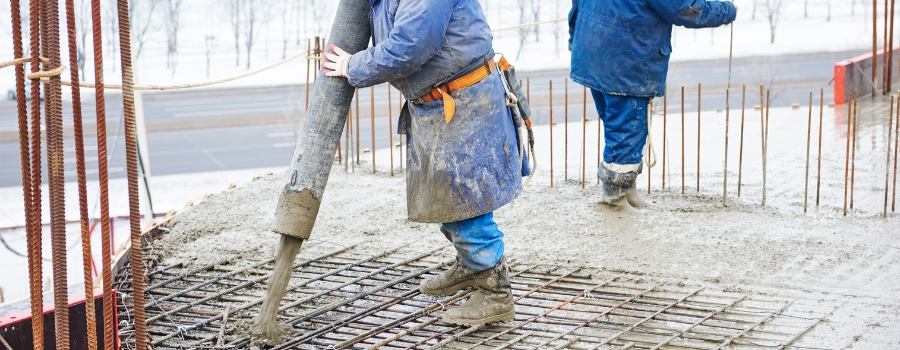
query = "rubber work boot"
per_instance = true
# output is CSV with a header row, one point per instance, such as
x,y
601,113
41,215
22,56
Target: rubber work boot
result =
x,y
634,198
492,302
449,282
614,199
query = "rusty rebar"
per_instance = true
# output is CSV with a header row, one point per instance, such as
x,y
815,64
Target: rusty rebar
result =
x,y
583,134
390,127
551,123
134,216
890,52
682,140
808,142
599,153
50,39
565,146
762,135
887,167
766,141
348,163
29,189
91,323
698,137
847,157
400,105
884,71
106,236
853,146
896,148
318,47
664,141
874,45
372,101
308,62
358,129
741,147
819,156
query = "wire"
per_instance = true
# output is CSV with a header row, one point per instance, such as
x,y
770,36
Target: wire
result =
x,y
16,252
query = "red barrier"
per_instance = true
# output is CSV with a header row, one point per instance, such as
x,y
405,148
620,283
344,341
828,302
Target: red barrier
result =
x,y
855,73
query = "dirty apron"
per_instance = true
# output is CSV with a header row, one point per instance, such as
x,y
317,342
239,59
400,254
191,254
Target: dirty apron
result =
x,y
465,168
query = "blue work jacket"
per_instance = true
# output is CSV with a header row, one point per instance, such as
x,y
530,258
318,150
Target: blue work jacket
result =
x,y
421,43
472,165
622,47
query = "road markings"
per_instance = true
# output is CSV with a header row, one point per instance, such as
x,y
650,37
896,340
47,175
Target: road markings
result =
x,y
283,144
280,134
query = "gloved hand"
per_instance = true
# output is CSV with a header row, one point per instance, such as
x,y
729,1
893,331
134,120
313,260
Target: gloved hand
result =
x,y
336,62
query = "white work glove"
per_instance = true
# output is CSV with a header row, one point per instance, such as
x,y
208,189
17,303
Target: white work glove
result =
x,y
336,62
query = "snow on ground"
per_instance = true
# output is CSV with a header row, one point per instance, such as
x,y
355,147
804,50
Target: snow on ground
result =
x,y
847,28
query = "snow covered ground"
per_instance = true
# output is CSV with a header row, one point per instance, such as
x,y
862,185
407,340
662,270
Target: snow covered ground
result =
x,y
281,28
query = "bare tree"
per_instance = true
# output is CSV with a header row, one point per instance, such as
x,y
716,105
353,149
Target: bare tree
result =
x,y
140,16
209,34
773,13
251,16
234,11
172,19
112,35
287,17
83,14
319,11
556,26
806,8
536,12
523,32
829,11
754,10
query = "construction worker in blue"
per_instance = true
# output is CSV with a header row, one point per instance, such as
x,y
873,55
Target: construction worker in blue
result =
x,y
464,153
620,50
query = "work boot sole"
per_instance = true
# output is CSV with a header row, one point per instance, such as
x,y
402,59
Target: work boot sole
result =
x,y
504,317
447,291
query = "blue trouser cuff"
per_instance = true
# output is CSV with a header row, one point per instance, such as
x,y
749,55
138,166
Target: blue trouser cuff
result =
x,y
478,242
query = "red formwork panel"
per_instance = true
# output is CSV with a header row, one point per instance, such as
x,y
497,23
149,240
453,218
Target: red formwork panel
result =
x,y
16,328
856,74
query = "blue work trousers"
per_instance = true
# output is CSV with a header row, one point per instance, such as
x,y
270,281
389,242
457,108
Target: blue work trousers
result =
x,y
478,242
624,125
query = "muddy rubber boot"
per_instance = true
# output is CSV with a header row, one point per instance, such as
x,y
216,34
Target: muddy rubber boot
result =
x,y
493,302
634,198
448,282
614,199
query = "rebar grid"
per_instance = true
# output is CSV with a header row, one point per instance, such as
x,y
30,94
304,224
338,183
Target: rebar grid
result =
x,y
349,298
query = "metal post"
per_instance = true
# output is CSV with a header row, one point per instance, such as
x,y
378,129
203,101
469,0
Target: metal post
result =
x,y
308,55
583,141
874,44
819,156
887,166
390,127
808,141
551,124
847,157
853,146
741,149
698,137
358,128
372,100
766,142
664,142
762,134
896,146
682,140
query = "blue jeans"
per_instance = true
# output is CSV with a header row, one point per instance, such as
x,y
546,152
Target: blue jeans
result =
x,y
625,126
478,242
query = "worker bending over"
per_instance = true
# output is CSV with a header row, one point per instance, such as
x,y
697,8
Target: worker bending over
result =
x,y
464,153
620,50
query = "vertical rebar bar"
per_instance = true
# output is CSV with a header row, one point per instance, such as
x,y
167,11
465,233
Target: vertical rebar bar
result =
x,y
853,146
819,156
565,146
317,54
698,137
34,241
808,143
106,237
599,152
896,149
766,142
372,101
664,141
400,108
727,114
741,148
884,72
347,137
50,42
762,136
390,126
28,193
847,157
874,45
308,62
682,140
90,315
551,124
358,128
887,165
890,51
583,136
134,220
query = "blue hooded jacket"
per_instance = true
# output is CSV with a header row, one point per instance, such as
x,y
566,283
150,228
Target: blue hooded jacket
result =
x,y
622,47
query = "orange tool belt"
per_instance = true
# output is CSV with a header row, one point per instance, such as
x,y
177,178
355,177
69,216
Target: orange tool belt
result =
x,y
443,91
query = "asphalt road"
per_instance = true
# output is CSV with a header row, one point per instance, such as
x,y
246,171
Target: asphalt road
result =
x,y
187,133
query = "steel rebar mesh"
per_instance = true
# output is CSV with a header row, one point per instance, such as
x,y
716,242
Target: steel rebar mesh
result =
x,y
350,298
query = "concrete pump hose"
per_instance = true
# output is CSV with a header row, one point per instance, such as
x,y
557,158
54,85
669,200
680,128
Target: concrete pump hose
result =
x,y
314,153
